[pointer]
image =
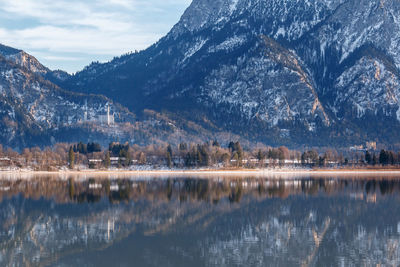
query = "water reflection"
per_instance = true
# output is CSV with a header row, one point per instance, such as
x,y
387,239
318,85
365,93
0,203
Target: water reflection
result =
x,y
202,222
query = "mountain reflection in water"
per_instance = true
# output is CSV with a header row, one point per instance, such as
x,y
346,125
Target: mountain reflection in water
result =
x,y
47,221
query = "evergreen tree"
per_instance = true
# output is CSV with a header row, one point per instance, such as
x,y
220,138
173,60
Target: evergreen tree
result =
x,y
322,161
199,157
368,157
235,157
391,157
231,146
93,147
304,158
107,160
169,150
71,158
182,146
82,148
205,155
383,157
216,143
116,148
260,155
169,160
169,156
236,148
374,159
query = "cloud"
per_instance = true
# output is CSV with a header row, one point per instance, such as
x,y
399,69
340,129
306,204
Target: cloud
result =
x,y
57,58
79,40
107,28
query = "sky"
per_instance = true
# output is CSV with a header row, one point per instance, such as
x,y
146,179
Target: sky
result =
x,y
70,34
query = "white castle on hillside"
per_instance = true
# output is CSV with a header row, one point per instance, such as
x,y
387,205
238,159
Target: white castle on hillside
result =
x,y
107,118
104,119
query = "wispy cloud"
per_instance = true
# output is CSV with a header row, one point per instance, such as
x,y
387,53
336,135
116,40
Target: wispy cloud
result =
x,y
85,30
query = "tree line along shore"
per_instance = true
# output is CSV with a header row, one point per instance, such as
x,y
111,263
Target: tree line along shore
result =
x,y
208,155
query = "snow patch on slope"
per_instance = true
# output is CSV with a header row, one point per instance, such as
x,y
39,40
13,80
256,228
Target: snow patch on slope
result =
x,y
229,44
375,89
194,49
233,6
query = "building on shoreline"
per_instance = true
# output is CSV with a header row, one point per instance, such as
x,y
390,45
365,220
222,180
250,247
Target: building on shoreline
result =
x,y
369,146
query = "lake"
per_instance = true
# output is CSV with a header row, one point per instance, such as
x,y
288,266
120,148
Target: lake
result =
x,y
213,221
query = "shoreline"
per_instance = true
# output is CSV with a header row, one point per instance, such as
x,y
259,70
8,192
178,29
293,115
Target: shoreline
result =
x,y
211,172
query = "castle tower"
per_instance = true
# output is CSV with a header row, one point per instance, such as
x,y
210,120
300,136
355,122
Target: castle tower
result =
x,y
85,113
108,114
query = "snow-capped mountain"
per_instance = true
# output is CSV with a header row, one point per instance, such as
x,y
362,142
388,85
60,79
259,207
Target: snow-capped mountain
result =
x,y
284,72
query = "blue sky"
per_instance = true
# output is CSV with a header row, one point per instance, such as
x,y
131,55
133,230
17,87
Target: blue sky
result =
x,y
69,34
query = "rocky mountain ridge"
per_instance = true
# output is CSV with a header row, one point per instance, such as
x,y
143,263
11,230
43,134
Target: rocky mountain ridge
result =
x,y
23,59
300,71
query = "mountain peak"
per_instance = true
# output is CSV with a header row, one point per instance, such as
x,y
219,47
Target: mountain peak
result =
x,y
23,59
202,13
277,13
8,51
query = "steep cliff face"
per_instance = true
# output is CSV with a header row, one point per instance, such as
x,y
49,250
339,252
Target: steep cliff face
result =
x,y
300,70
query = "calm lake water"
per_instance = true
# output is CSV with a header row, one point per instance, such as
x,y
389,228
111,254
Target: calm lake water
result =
x,y
48,221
